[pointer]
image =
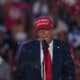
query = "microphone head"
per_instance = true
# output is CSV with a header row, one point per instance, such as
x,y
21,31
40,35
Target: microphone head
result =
x,y
44,44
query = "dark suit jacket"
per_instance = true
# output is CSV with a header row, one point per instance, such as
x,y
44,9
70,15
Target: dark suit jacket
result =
x,y
29,66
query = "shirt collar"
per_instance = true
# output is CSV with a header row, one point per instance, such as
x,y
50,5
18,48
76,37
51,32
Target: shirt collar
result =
x,y
51,44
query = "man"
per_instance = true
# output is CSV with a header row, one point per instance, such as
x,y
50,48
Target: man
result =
x,y
37,61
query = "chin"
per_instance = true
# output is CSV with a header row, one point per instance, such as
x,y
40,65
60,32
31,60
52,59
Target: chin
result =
x,y
48,41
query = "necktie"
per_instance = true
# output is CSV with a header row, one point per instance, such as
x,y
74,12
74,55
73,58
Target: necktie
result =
x,y
48,65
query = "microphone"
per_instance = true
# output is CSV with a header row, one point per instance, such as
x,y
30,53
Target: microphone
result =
x,y
44,46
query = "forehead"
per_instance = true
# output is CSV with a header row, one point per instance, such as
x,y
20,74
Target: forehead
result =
x,y
44,30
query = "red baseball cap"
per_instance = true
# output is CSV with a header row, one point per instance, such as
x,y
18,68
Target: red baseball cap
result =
x,y
43,23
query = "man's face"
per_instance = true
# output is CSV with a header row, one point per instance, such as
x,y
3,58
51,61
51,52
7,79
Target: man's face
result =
x,y
44,34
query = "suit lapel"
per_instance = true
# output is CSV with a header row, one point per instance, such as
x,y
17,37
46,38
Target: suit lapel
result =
x,y
37,55
54,51
57,57
57,51
34,62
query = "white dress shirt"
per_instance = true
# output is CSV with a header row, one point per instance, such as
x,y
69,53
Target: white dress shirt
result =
x,y
42,57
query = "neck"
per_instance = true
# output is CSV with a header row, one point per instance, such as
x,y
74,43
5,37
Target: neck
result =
x,y
48,42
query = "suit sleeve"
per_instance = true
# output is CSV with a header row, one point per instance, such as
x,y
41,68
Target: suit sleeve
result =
x,y
68,66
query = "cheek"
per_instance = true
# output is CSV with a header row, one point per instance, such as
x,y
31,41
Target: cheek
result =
x,y
39,35
45,34
50,34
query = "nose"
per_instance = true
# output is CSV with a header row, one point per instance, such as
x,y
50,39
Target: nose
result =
x,y
44,34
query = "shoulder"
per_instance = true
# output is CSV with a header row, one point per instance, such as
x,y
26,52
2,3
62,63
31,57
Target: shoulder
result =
x,y
61,43
28,44
64,47
26,47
